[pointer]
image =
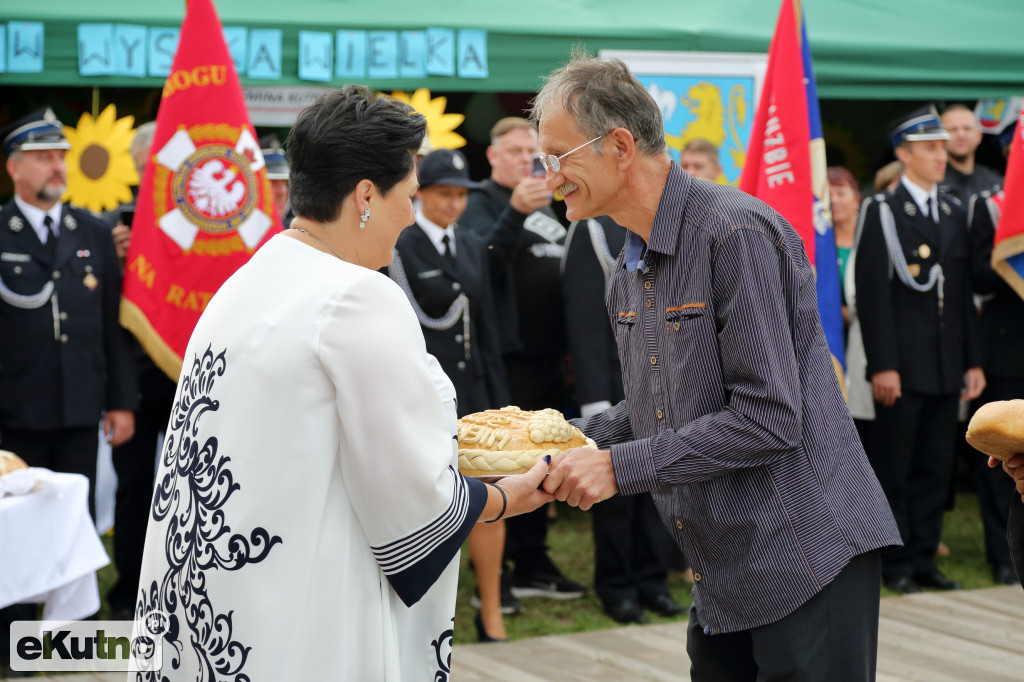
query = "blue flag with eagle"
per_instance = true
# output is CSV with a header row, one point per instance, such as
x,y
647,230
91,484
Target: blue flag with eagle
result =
x,y
826,262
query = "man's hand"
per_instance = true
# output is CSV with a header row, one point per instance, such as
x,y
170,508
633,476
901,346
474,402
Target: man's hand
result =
x,y
582,477
886,387
975,383
122,239
529,195
118,427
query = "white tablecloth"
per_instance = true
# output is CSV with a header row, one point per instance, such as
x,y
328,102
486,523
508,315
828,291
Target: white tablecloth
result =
x,y
49,549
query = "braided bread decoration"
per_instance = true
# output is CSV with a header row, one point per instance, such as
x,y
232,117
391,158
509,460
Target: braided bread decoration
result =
x,y
510,440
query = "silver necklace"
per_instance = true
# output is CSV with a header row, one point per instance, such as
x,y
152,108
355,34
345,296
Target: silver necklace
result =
x,y
299,229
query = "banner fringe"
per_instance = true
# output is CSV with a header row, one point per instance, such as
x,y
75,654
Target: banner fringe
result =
x,y
134,320
1001,252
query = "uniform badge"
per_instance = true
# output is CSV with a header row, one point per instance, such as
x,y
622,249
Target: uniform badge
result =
x,y
910,208
70,222
15,223
914,269
83,253
90,281
458,162
945,208
924,251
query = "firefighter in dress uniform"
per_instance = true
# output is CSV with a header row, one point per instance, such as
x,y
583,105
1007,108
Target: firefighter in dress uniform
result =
x,y
65,363
913,289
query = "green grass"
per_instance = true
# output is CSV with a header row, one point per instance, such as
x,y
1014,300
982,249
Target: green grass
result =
x,y
572,549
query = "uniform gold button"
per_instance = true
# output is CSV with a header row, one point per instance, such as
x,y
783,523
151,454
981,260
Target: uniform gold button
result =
x,y
649,303
56,274
696,577
679,524
654,359
676,326
63,338
63,316
660,414
647,285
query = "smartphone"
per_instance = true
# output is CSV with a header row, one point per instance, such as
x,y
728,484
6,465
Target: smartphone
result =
x,y
538,168
127,216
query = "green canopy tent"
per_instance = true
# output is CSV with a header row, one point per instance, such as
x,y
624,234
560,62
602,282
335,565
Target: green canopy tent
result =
x,y
862,49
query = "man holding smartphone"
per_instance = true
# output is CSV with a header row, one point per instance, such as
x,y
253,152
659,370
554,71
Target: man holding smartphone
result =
x,y
512,211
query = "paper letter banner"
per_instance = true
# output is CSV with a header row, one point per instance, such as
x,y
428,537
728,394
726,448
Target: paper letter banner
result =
x,y
96,49
25,47
785,164
130,50
1008,251
204,206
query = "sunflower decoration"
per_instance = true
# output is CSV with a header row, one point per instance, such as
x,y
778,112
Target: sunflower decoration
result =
x,y
100,165
440,126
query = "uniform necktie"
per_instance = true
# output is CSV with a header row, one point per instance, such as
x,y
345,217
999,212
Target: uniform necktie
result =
x,y
932,212
448,255
51,239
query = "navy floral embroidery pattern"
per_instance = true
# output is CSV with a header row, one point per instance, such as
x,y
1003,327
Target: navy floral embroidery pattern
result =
x,y
196,485
443,654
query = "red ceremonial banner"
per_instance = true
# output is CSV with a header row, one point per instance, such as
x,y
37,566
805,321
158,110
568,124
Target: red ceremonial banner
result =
x,y
204,206
778,166
1008,250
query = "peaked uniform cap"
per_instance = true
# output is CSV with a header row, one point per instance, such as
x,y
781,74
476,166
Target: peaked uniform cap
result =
x,y
921,124
38,130
445,167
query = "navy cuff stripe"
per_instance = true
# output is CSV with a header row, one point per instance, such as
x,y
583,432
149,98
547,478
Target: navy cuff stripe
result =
x,y
413,581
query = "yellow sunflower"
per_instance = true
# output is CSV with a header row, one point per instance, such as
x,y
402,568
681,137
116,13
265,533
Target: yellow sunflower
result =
x,y
100,164
440,126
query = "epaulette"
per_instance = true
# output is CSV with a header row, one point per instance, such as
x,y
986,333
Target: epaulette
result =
x,y
951,198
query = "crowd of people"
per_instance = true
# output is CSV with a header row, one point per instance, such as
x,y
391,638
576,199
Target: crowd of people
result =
x,y
698,383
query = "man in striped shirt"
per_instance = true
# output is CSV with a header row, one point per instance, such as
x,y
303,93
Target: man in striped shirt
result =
x,y
733,417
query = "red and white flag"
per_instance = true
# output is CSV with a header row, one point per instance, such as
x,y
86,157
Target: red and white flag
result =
x,y
1008,250
204,205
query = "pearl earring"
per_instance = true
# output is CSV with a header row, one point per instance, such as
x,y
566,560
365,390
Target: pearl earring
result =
x,y
363,218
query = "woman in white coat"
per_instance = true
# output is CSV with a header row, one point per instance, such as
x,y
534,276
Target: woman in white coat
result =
x,y
308,512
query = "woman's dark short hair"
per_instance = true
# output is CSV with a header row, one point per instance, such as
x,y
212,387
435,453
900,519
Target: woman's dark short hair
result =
x,y
346,136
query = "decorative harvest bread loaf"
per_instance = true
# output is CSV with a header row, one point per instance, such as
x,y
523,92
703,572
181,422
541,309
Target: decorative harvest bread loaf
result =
x,y
509,441
997,429
10,462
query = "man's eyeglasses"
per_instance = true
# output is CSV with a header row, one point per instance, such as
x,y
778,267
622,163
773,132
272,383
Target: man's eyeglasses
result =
x,y
553,163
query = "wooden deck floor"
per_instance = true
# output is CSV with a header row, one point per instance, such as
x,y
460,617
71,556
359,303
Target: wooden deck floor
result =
x,y
970,636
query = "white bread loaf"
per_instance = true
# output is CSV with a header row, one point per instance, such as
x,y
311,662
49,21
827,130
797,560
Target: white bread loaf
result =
x,y
509,441
10,462
997,429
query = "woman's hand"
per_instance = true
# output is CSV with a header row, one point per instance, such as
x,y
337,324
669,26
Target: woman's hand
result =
x,y
523,493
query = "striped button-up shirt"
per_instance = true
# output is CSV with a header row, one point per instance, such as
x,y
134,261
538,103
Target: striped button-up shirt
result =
x,y
733,416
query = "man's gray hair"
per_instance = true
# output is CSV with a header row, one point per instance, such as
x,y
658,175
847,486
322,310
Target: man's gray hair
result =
x,y
143,138
601,94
